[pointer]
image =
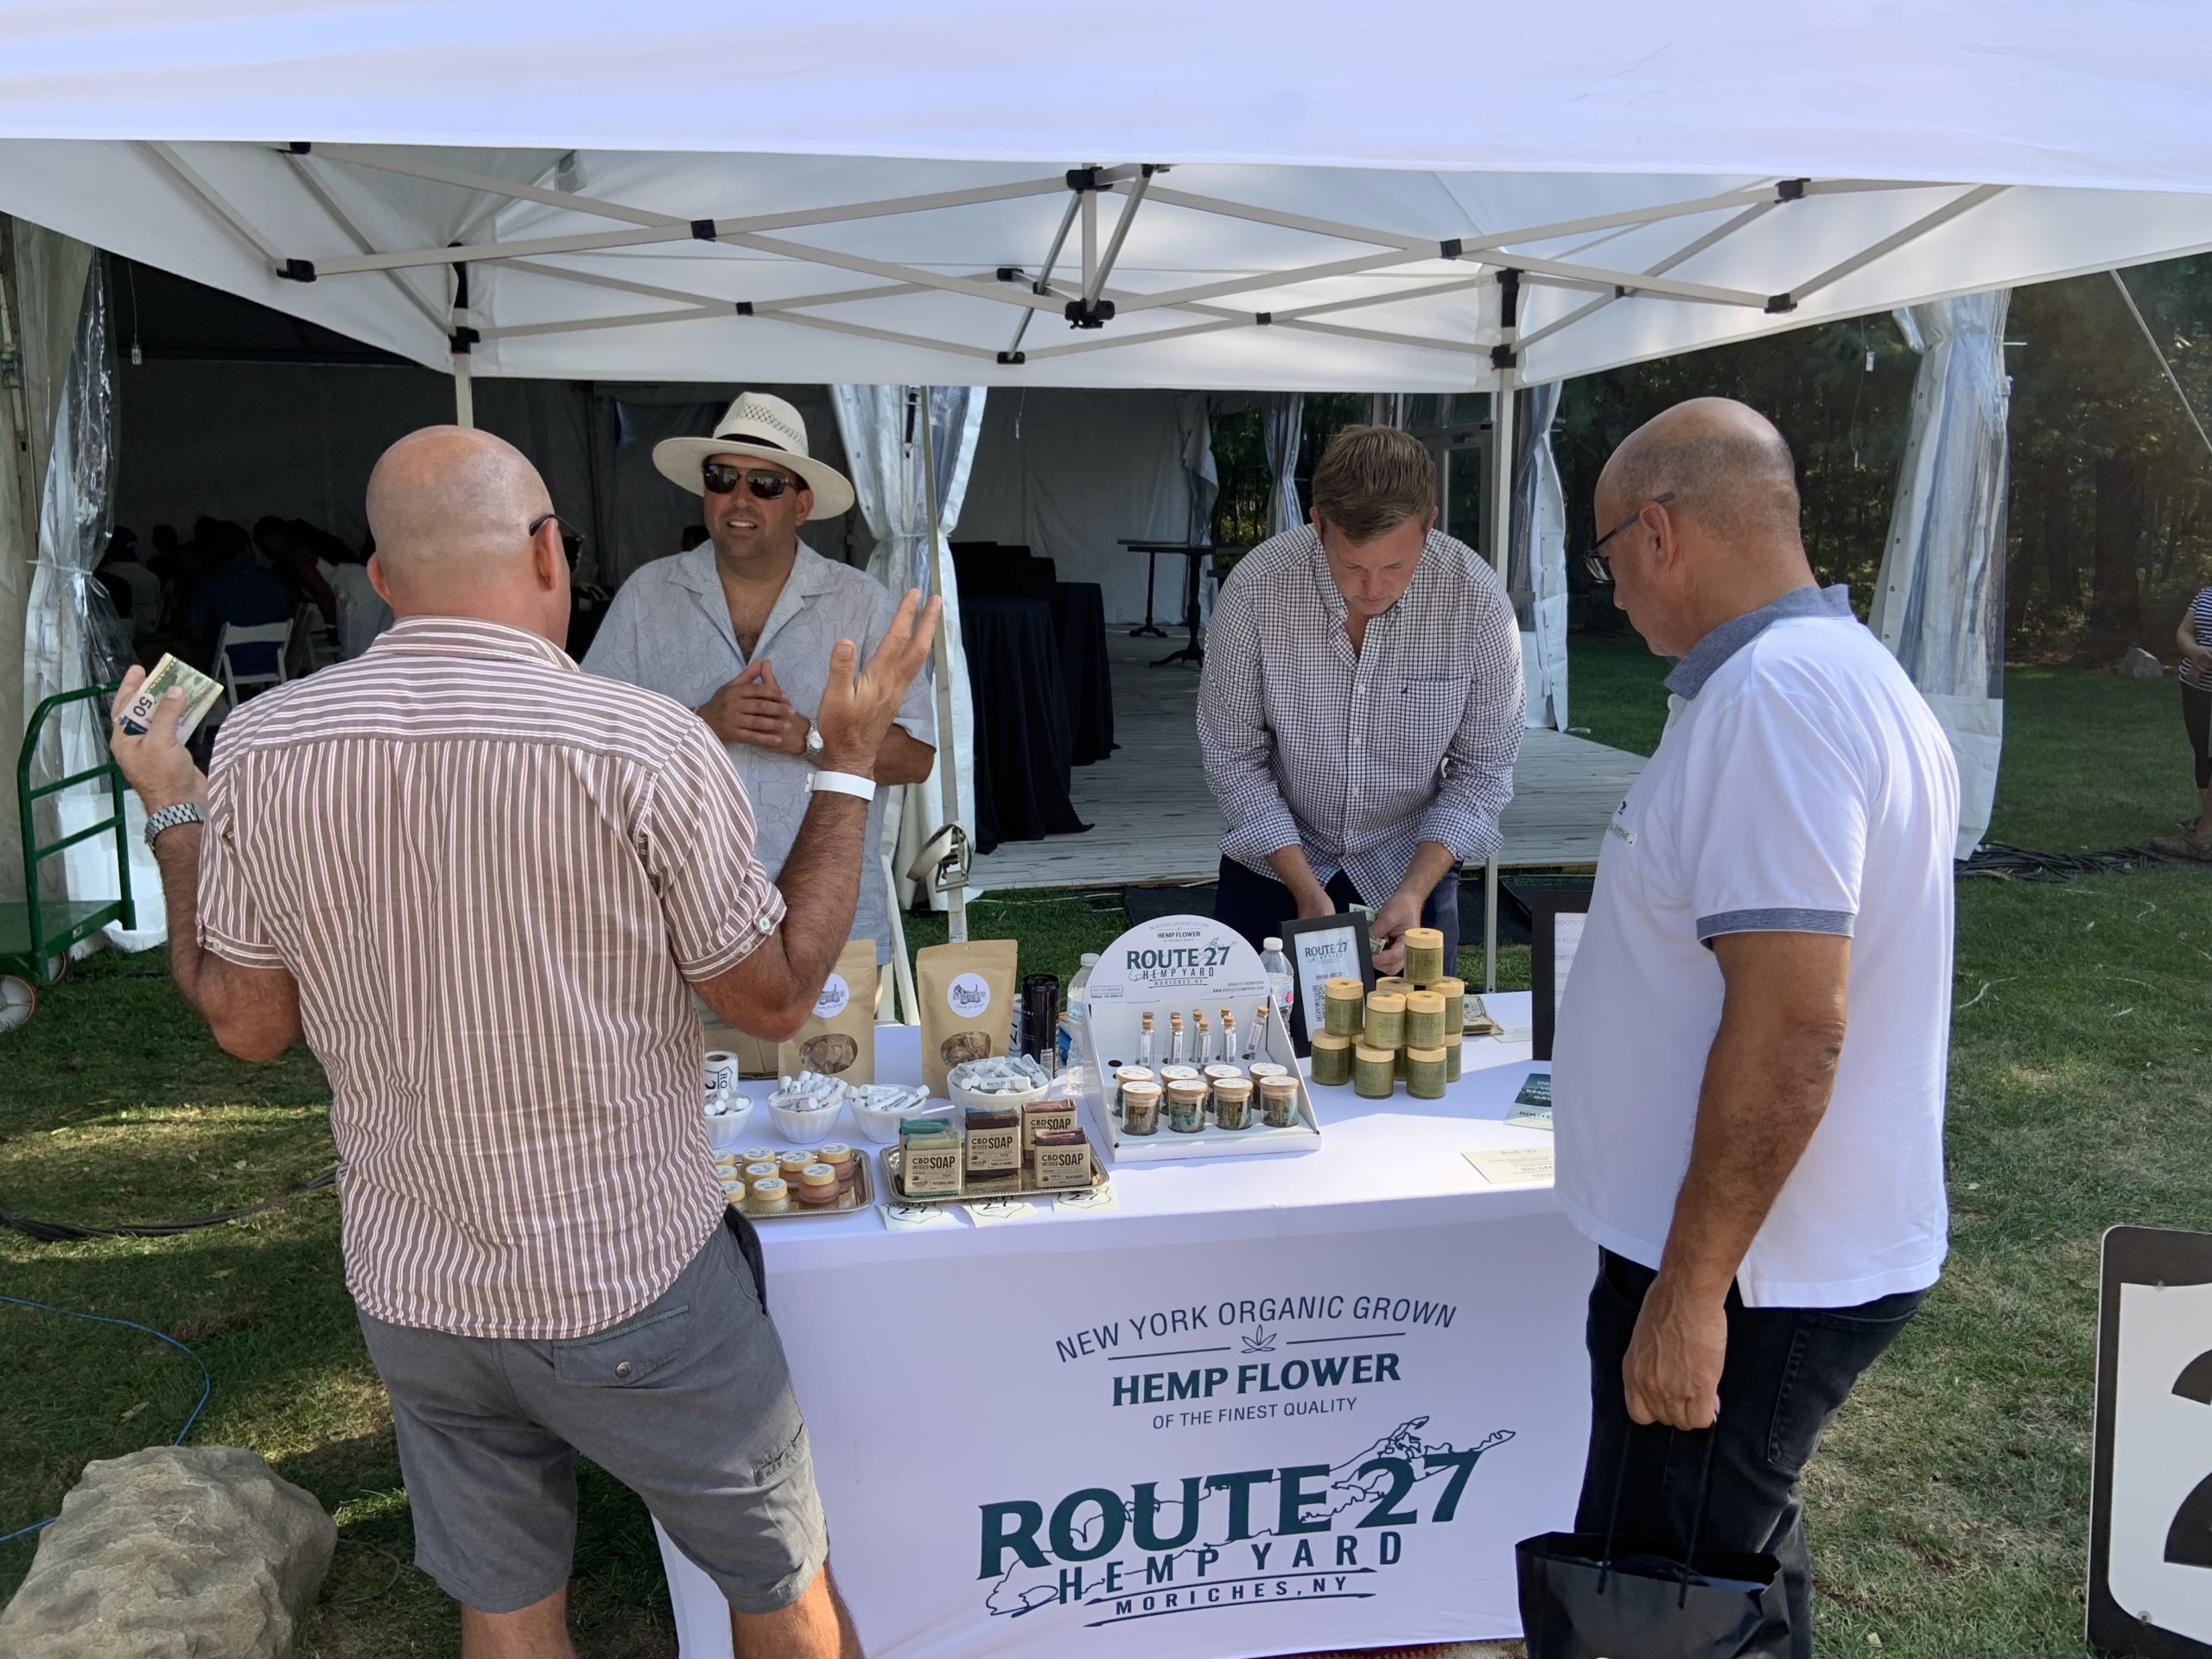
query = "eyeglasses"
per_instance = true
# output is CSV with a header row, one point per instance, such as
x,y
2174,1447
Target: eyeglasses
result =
x,y
571,537
1600,569
721,478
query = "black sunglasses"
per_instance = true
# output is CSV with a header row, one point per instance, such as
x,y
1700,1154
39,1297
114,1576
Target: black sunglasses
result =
x,y
1601,570
721,478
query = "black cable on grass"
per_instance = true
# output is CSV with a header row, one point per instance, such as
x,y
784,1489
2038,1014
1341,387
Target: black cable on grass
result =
x,y
53,1232
2019,864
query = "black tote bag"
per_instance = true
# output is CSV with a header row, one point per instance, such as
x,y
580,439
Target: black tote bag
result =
x,y
1587,1595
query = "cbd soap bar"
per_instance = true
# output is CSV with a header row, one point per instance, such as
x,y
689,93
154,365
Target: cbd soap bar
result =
x,y
1062,1160
1046,1117
931,1169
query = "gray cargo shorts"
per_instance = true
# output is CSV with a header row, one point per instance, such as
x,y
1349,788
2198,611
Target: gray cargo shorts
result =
x,y
687,1402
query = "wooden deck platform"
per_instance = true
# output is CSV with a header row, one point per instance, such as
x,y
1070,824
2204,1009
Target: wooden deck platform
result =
x,y
1152,819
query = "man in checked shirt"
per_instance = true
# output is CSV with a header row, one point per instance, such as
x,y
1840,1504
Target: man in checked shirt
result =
x,y
1361,710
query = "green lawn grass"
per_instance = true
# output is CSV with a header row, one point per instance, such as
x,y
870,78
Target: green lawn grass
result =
x,y
1948,1507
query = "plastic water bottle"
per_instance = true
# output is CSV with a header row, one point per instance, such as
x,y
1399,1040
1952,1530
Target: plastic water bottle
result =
x,y
1281,985
1078,1005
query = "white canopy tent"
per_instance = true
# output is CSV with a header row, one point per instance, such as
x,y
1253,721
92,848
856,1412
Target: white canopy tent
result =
x,y
1274,197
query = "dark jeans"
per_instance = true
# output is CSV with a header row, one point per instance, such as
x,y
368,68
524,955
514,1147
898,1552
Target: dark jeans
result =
x,y
1257,905
1788,1369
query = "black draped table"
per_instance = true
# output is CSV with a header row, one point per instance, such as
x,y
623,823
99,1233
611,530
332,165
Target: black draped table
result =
x,y
1079,626
1024,742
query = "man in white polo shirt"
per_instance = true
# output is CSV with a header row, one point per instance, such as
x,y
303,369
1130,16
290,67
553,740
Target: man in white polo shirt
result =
x,y
1750,1064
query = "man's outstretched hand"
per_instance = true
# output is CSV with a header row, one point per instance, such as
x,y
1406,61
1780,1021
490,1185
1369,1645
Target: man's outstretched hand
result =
x,y
858,705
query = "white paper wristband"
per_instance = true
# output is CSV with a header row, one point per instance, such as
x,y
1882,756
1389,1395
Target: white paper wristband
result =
x,y
842,783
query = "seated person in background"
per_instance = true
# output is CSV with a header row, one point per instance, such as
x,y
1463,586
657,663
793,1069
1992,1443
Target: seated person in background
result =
x,y
237,591
289,548
137,590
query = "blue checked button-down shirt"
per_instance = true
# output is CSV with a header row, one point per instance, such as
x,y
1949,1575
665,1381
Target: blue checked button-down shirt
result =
x,y
1359,758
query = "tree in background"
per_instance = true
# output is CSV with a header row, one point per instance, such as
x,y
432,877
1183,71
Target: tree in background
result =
x,y
2109,526
2110,532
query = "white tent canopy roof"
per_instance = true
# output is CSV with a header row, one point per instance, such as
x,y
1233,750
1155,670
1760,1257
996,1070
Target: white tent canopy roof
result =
x,y
1219,276
1997,92
880,167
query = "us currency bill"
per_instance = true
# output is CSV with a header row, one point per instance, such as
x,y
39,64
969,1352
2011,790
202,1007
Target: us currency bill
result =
x,y
199,694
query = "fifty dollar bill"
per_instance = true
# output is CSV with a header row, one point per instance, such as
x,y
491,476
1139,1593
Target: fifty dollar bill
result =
x,y
169,674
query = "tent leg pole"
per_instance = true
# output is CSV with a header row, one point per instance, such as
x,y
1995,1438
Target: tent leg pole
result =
x,y
1490,924
464,392
906,1008
1500,515
948,757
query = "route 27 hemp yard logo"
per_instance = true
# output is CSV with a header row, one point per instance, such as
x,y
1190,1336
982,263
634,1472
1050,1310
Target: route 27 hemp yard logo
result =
x,y
1312,1532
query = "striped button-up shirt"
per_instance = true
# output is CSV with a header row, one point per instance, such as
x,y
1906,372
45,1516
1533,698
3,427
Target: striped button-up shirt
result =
x,y
492,876
1359,757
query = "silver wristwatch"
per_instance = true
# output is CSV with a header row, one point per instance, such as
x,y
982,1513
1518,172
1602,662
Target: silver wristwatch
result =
x,y
813,742
169,817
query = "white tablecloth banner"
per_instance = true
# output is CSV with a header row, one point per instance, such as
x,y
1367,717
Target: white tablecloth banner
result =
x,y
1260,1408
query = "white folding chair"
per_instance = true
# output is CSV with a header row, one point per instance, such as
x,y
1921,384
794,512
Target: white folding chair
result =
x,y
314,643
276,634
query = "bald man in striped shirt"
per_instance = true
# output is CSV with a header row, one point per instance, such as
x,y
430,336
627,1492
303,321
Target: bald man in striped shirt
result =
x,y
485,884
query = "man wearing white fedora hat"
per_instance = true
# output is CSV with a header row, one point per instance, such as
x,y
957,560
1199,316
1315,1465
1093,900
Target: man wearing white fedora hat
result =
x,y
740,627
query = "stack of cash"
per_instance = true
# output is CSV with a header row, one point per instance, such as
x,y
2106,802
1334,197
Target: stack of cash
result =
x,y
170,675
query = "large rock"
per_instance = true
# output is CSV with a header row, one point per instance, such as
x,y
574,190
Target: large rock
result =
x,y
176,1553
2140,665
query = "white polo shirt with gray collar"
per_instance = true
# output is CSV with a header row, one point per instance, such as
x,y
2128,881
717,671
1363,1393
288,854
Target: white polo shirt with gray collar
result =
x,y
1801,787
669,630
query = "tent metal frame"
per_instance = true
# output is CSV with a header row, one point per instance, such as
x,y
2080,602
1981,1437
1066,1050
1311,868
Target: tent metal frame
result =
x,y
1089,304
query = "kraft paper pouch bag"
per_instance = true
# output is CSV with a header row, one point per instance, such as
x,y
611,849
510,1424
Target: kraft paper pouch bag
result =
x,y
838,1039
1597,1595
966,996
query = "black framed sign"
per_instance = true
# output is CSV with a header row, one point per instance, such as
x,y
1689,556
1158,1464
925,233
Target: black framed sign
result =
x,y
1555,918
1321,949
2151,1487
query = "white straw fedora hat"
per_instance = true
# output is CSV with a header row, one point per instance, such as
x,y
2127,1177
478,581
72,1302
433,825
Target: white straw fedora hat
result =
x,y
767,428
